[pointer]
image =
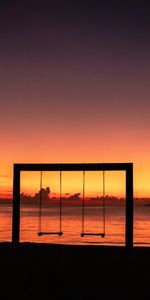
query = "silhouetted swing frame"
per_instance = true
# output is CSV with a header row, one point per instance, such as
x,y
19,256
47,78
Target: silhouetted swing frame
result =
x,y
127,167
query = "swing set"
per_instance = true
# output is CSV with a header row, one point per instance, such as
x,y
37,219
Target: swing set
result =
x,y
127,167
83,233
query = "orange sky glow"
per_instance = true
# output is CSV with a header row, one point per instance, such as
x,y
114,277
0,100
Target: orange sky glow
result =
x,y
72,182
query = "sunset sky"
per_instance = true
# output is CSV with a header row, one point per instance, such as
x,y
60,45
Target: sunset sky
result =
x,y
74,85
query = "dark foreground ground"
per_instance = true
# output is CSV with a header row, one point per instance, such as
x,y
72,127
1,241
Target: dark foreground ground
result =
x,y
38,271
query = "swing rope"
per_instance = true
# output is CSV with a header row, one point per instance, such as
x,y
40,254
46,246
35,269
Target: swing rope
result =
x,y
104,206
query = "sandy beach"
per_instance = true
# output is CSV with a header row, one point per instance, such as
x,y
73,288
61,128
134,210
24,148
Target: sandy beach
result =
x,y
42,271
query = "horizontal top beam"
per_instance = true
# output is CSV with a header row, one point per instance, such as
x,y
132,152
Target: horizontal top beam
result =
x,y
73,167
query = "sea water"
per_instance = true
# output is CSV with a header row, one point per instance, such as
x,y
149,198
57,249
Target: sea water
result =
x,y
72,225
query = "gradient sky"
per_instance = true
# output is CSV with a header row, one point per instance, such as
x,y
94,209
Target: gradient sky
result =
x,y
74,85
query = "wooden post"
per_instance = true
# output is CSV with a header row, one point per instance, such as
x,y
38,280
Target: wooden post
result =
x,y
16,206
129,206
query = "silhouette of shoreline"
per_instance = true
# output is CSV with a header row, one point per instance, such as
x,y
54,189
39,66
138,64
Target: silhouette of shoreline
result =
x,y
110,200
73,272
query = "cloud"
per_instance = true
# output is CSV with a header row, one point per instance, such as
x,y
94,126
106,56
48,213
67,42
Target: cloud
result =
x,y
76,196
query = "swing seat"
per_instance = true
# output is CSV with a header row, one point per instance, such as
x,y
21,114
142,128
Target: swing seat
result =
x,y
50,232
95,234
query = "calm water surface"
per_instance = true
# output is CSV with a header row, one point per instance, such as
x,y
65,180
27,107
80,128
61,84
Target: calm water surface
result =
x,y
72,225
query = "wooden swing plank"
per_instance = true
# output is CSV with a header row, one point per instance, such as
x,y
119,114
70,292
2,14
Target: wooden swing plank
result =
x,y
95,234
50,232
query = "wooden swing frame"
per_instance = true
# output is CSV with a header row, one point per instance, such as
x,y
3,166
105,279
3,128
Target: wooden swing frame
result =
x,y
127,167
